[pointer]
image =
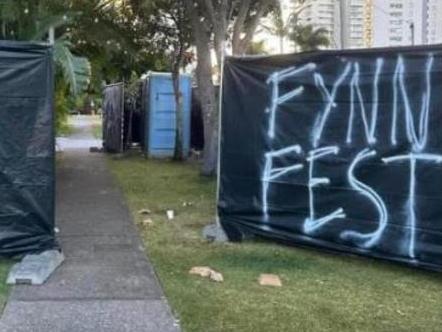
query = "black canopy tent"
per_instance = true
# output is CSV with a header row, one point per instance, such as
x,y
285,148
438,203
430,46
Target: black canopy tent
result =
x,y
27,153
340,150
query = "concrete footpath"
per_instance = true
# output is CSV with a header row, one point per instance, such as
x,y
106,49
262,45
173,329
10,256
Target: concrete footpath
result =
x,y
106,282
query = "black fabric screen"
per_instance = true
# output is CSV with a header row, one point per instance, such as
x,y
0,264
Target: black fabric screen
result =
x,y
27,151
340,150
113,118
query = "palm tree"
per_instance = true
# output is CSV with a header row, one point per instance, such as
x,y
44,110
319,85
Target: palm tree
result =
x,y
280,28
307,38
75,70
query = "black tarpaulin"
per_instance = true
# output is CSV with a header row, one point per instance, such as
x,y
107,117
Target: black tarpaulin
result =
x,y
26,148
133,116
113,118
340,150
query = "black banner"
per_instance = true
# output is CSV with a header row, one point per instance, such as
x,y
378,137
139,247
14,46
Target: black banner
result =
x,y
27,154
337,149
113,118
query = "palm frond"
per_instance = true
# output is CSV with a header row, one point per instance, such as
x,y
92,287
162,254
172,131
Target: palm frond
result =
x,y
76,70
309,38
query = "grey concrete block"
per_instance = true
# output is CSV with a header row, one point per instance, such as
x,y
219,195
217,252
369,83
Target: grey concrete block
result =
x,y
35,269
215,233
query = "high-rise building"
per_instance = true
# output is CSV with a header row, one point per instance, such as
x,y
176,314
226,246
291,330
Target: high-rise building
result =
x,y
345,20
406,22
288,7
368,23
432,22
322,14
354,19
397,22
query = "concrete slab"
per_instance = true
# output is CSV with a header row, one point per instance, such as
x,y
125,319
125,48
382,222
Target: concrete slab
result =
x,y
82,316
85,227
107,250
85,281
35,269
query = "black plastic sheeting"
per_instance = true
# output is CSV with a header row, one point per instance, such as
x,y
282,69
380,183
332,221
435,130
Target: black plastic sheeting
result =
x,y
123,123
113,118
340,150
27,153
196,123
197,119
134,118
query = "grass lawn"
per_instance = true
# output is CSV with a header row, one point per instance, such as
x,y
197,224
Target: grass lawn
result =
x,y
97,130
5,265
321,292
64,130
97,126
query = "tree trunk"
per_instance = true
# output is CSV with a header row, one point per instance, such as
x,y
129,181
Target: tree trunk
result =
x,y
220,42
206,91
238,26
240,45
210,109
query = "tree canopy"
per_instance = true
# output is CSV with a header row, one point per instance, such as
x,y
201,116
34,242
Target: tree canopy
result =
x,y
106,41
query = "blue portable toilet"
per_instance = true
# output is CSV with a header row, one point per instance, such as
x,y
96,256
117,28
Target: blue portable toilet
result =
x,y
160,114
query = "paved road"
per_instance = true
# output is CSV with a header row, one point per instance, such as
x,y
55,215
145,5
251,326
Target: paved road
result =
x,y
106,283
